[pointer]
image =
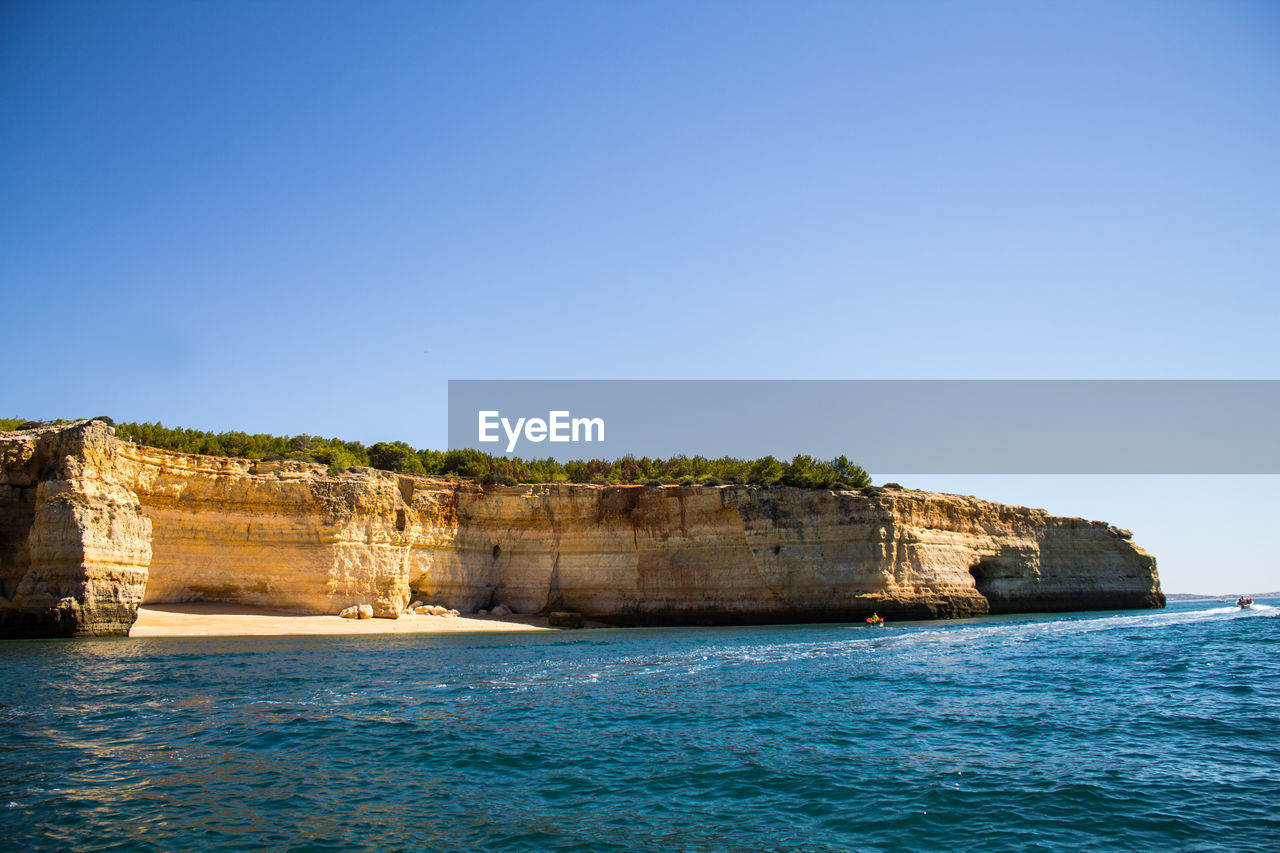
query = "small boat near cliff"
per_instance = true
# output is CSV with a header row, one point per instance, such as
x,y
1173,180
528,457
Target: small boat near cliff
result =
x,y
1244,602
875,620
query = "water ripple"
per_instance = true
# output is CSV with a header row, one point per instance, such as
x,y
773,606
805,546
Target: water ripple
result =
x,y
1133,731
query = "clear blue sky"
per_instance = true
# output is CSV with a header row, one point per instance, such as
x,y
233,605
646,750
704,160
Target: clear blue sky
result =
x,y
306,217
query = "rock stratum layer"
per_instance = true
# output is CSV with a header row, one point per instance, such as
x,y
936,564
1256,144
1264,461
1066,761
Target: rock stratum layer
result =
x,y
91,527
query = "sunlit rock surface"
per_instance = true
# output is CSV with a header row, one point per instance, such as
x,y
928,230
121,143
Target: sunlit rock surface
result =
x,y
91,526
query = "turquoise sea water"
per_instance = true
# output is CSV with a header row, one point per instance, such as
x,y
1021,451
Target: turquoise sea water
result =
x,y
1152,730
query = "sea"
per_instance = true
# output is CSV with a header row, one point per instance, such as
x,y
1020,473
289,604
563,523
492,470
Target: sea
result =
x,y
1136,730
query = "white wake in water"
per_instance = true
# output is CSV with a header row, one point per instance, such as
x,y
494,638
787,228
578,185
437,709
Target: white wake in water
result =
x,y
1001,632
930,639
918,641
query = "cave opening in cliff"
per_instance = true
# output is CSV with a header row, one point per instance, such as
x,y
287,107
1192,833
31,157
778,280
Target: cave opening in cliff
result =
x,y
401,520
497,552
983,577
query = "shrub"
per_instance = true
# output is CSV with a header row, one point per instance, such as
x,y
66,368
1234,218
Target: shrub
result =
x,y
802,472
467,463
395,456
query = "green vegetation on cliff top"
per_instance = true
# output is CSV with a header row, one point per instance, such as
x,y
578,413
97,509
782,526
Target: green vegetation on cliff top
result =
x,y
802,471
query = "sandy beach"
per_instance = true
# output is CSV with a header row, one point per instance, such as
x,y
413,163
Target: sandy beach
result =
x,y
199,619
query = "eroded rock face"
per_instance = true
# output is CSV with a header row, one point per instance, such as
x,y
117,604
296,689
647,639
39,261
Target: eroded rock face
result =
x,y
86,521
282,535
74,542
679,555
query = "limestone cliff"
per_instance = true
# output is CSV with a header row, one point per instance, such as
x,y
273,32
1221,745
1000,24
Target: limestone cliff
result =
x,y
642,555
89,522
74,542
